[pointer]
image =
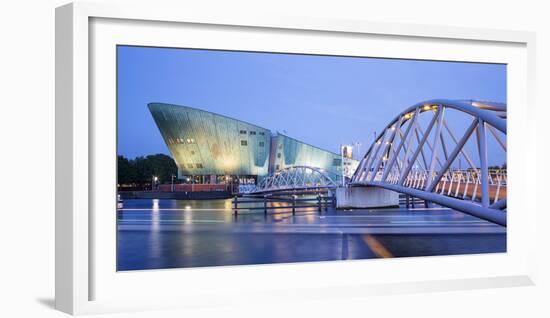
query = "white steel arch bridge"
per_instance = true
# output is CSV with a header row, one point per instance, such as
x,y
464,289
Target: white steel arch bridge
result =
x,y
295,178
420,153
426,162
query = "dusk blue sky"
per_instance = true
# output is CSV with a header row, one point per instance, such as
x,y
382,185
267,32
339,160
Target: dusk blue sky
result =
x,y
322,100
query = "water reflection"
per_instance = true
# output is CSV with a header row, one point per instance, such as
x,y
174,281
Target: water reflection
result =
x,y
171,233
155,229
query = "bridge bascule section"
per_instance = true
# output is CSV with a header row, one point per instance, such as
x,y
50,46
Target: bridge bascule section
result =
x,y
295,178
422,151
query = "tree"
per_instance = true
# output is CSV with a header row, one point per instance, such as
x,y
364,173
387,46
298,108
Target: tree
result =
x,y
140,170
162,166
126,172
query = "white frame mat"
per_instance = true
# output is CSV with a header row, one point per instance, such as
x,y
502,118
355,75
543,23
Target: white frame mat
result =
x,y
86,38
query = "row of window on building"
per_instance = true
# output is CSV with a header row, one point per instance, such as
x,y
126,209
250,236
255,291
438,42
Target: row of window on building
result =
x,y
192,140
181,141
243,132
245,143
338,162
197,165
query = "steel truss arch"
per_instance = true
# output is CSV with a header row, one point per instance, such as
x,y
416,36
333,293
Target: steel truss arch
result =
x,y
422,163
295,178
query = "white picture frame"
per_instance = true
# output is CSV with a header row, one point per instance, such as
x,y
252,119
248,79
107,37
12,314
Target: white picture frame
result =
x,y
79,254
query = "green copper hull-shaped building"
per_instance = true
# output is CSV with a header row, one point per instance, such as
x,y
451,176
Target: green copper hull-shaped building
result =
x,y
212,145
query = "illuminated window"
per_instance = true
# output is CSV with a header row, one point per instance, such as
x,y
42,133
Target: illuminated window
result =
x,y
244,143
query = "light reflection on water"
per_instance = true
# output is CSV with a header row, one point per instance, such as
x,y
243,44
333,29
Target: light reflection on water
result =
x,y
171,233
207,211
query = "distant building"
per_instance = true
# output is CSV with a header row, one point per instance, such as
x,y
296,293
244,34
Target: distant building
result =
x,y
212,148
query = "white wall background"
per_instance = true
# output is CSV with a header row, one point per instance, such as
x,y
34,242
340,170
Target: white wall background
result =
x,y
27,158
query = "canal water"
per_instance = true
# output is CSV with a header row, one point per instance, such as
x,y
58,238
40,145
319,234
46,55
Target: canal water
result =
x,y
156,234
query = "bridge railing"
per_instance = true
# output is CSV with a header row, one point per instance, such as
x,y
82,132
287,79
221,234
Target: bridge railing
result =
x,y
464,184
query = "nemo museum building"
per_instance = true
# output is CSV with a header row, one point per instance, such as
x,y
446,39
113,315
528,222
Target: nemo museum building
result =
x,y
212,148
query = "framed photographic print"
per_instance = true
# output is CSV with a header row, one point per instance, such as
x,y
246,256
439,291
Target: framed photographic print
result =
x,y
200,156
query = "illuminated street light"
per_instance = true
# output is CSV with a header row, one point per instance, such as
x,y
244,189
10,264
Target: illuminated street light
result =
x,y
154,181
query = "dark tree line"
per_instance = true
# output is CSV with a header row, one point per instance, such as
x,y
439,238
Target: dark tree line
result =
x,y
139,172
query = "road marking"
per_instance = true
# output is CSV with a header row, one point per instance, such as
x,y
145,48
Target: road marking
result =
x,y
440,221
427,209
306,225
240,209
173,221
376,216
170,209
376,246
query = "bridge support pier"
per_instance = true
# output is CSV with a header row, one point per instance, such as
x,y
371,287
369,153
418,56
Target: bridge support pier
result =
x,y
365,198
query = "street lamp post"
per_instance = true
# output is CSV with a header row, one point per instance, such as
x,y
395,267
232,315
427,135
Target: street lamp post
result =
x,y
154,180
